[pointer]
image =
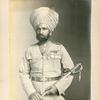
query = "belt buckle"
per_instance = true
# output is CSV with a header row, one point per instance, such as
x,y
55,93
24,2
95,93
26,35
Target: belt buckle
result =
x,y
43,79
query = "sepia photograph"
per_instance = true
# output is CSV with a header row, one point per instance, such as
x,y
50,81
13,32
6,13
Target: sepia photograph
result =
x,y
50,41
49,53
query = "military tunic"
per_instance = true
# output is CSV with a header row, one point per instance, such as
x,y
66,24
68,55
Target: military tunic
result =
x,y
48,63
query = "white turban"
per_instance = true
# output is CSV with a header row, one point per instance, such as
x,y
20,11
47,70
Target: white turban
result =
x,y
44,15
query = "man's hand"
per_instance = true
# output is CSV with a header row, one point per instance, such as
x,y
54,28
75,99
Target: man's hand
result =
x,y
52,90
35,96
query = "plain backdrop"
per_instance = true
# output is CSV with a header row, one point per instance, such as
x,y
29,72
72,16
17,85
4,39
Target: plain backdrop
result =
x,y
73,31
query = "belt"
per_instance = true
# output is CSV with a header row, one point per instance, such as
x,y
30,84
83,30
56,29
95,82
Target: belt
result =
x,y
45,79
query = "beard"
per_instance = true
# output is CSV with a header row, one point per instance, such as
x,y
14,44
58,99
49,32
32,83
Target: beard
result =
x,y
42,38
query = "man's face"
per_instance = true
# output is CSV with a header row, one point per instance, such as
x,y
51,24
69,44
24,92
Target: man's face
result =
x,y
43,33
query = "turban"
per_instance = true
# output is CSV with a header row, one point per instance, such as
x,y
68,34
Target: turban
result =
x,y
44,15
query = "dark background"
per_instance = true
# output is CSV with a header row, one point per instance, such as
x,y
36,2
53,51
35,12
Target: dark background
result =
x,y
73,31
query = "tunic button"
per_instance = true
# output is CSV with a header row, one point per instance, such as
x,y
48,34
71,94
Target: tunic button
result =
x,y
48,57
52,56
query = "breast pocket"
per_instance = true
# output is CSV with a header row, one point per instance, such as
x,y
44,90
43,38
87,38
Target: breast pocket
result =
x,y
34,60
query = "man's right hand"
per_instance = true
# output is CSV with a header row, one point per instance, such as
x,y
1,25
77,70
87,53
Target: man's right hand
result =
x,y
35,96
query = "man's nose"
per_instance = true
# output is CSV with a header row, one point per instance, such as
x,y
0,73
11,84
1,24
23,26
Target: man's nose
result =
x,y
41,31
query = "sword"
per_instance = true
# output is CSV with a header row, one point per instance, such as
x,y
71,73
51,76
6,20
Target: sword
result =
x,y
75,70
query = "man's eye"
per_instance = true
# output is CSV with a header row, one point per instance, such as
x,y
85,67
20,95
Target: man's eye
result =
x,y
44,28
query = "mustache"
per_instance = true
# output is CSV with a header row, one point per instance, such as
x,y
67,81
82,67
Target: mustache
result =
x,y
41,35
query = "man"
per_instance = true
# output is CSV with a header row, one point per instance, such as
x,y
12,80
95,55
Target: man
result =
x,y
45,62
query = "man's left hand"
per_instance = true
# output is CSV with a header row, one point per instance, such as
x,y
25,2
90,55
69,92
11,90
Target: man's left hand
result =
x,y
52,90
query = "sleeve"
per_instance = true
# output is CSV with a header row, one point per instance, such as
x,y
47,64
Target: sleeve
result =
x,y
67,63
24,73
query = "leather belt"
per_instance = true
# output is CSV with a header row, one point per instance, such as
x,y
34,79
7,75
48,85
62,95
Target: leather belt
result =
x,y
45,79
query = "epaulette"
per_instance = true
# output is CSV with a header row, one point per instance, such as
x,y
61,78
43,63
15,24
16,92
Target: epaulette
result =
x,y
31,45
57,43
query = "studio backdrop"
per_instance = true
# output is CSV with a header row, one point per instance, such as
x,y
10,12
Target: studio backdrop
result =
x,y
73,31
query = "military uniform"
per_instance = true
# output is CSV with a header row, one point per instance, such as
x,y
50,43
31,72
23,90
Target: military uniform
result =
x,y
41,68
